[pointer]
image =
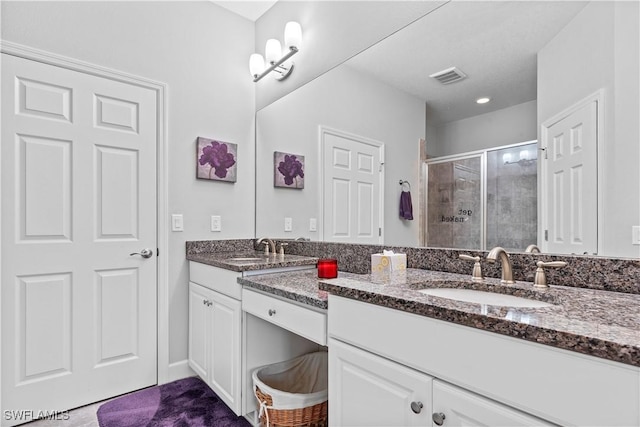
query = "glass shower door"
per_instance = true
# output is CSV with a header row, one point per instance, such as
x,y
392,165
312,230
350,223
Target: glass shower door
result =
x,y
512,205
454,203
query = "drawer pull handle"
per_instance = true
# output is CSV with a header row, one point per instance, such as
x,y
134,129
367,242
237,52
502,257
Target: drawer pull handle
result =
x,y
438,418
207,303
272,312
416,407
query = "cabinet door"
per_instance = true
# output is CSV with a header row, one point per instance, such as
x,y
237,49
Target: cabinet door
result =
x,y
463,408
199,297
225,357
368,390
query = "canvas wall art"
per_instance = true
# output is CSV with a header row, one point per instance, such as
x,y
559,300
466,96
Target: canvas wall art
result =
x,y
288,170
216,160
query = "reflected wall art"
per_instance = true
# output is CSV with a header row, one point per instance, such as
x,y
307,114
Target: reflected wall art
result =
x,y
216,160
288,170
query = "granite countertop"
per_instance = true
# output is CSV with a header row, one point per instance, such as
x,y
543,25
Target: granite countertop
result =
x,y
594,322
598,323
250,260
300,286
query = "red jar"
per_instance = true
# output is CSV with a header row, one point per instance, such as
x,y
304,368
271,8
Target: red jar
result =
x,y
327,268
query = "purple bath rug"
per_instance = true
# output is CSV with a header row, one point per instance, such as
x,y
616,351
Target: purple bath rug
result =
x,y
184,403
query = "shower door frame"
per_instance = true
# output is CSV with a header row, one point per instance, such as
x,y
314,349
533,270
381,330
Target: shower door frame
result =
x,y
482,154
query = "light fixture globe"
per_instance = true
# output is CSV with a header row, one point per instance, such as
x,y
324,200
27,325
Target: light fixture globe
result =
x,y
293,35
256,64
273,51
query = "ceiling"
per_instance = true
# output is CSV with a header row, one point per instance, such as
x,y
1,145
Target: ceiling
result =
x,y
250,9
494,42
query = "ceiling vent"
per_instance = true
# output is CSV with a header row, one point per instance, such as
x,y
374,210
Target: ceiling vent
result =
x,y
448,76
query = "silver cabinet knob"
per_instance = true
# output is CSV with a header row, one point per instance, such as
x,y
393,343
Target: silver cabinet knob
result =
x,y
145,253
272,312
207,303
416,407
438,418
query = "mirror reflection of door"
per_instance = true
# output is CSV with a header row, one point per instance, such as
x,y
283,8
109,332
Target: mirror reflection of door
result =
x,y
352,188
570,174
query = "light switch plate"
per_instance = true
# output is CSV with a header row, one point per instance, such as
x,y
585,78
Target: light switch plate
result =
x,y
288,224
635,235
216,223
177,222
313,224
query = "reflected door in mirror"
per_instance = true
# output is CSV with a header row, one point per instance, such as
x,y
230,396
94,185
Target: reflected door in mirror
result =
x,y
352,189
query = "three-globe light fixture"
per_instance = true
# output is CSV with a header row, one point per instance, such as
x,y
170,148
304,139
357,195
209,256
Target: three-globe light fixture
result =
x,y
276,59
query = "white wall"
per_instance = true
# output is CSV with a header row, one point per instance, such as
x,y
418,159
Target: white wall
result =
x,y
345,100
600,49
332,32
502,127
201,51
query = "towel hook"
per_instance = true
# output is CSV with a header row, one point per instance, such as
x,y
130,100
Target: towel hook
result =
x,y
402,183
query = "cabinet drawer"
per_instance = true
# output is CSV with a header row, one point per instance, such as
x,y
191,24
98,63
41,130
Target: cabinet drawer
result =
x,y
217,279
305,322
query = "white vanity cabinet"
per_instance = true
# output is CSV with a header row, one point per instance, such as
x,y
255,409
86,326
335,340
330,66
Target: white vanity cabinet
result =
x,y
215,328
367,390
479,377
456,407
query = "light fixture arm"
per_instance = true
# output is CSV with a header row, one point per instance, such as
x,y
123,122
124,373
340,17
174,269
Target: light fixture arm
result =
x,y
278,67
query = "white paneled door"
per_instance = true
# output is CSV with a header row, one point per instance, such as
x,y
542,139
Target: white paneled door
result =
x,y
352,189
78,197
571,183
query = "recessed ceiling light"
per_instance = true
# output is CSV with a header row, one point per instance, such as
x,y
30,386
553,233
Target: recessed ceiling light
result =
x,y
483,100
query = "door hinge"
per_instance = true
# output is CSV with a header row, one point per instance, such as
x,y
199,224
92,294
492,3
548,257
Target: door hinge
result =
x,y
544,150
379,231
546,235
380,168
157,251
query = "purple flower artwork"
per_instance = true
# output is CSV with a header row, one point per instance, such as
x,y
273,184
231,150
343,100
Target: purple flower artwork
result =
x,y
216,160
288,170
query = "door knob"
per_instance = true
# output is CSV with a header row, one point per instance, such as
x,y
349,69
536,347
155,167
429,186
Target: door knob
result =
x,y
145,253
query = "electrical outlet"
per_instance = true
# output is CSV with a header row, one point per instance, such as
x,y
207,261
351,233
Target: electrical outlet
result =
x,y
216,223
635,235
313,224
288,224
177,222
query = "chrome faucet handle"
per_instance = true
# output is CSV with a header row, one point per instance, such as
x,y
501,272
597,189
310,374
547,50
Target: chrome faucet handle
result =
x,y
266,247
477,269
282,245
540,279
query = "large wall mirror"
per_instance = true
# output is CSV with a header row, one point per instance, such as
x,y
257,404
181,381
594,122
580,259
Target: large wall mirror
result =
x,y
564,106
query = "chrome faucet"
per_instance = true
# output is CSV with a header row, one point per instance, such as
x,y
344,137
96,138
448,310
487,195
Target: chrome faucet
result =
x,y
507,270
269,245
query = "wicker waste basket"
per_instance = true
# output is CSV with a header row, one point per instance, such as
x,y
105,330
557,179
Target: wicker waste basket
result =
x,y
294,392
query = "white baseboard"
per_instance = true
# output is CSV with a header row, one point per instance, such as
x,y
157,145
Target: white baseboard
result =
x,y
179,370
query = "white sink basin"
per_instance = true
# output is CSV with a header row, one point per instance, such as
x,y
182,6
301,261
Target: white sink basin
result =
x,y
482,297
